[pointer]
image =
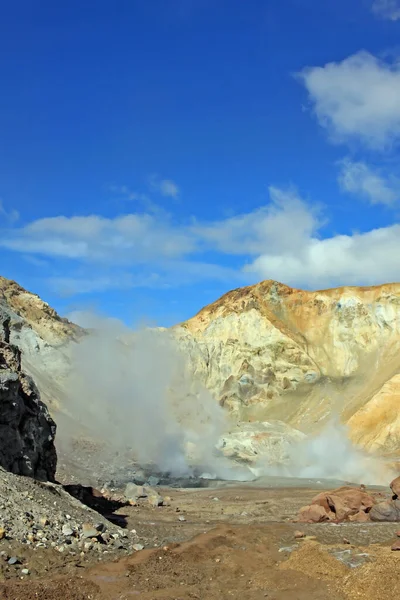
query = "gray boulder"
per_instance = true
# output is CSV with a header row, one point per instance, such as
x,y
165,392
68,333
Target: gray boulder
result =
x,y
27,431
386,511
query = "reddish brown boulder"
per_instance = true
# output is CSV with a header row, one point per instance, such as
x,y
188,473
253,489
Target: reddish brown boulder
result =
x,y
340,504
360,517
313,514
345,501
395,487
396,545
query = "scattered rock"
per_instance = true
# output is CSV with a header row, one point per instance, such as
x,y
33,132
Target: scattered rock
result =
x,y
181,518
88,531
339,505
396,546
14,560
313,514
24,571
66,530
299,535
386,511
138,547
133,492
395,487
155,500
360,517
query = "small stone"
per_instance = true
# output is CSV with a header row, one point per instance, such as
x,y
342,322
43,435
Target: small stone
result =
x,y
13,561
346,541
155,500
66,529
396,546
299,535
100,527
181,518
88,546
25,572
105,537
137,547
133,492
216,499
398,534
88,531
395,487
43,522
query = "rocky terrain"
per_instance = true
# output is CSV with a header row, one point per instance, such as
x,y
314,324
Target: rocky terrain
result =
x,y
269,352
281,363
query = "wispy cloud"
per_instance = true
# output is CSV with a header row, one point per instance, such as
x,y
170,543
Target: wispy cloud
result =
x,y
387,9
133,238
280,240
11,216
165,187
357,99
360,179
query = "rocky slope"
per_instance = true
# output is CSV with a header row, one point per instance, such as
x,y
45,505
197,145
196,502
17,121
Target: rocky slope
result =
x,y
286,358
272,352
43,337
27,431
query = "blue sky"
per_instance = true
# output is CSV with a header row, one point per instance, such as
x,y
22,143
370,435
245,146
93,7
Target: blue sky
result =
x,y
155,154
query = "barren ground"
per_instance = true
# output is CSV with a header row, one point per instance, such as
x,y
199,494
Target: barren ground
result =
x,y
234,542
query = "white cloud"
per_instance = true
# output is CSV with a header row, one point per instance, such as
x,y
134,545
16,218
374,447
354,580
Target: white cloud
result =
x,y
133,238
11,216
359,259
357,99
278,241
387,9
266,227
358,178
124,192
165,187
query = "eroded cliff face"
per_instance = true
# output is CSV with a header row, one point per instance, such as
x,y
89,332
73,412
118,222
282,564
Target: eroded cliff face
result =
x,y
268,353
43,337
272,352
27,431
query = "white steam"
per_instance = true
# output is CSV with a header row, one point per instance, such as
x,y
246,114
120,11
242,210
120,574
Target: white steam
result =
x,y
132,392
330,454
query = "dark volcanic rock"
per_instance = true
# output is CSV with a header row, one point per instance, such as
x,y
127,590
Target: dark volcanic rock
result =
x,y
27,431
